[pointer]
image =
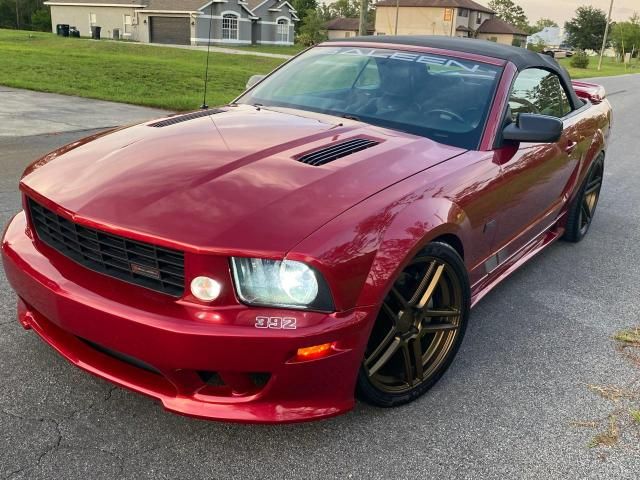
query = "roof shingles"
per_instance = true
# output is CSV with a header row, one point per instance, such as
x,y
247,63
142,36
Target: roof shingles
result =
x,y
106,2
182,5
341,23
495,25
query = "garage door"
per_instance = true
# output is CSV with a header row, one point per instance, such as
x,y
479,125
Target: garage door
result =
x,y
174,30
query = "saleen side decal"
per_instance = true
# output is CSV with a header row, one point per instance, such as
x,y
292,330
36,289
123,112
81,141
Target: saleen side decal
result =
x,y
276,323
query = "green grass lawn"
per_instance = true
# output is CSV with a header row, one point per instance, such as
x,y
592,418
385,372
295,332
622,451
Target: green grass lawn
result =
x,y
284,50
609,68
160,77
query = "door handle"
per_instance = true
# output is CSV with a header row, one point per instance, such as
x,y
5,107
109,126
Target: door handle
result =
x,y
571,146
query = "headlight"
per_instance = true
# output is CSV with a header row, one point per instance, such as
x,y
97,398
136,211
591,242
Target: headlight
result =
x,y
280,283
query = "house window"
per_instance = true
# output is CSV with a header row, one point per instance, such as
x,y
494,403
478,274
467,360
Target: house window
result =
x,y
229,27
92,19
479,18
347,34
282,33
463,12
127,24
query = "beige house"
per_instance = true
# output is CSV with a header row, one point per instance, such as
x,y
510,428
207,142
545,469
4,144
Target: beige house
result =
x,y
500,31
452,18
344,28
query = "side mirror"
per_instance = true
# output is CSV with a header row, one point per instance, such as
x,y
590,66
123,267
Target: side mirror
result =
x,y
253,80
533,128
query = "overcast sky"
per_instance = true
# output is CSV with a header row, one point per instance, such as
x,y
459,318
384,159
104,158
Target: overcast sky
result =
x,y
563,10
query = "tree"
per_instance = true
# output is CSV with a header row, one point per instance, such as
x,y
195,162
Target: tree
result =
x,y
7,15
345,8
542,24
625,36
313,30
586,30
302,7
348,9
325,12
511,13
537,47
19,13
41,20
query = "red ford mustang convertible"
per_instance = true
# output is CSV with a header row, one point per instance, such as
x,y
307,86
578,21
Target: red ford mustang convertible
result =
x,y
322,237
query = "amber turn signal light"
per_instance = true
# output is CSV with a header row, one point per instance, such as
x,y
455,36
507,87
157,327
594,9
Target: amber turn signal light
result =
x,y
317,351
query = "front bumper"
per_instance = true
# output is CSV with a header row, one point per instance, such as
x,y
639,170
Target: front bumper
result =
x,y
194,360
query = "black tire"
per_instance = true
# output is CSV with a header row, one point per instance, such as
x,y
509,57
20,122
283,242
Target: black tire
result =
x,y
583,207
438,273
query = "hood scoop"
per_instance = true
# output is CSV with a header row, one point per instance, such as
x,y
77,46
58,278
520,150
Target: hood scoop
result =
x,y
185,118
336,151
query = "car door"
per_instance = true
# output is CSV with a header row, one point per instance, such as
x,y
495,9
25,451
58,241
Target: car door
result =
x,y
535,180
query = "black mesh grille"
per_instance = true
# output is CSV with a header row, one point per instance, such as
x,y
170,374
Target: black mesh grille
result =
x,y
143,264
339,150
185,117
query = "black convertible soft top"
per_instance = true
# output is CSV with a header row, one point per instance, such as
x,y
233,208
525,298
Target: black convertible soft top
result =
x,y
520,57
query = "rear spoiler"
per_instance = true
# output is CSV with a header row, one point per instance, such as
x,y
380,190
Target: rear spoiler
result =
x,y
589,91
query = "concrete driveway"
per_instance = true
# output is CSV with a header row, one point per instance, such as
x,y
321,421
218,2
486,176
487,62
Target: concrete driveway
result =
x,y
520,401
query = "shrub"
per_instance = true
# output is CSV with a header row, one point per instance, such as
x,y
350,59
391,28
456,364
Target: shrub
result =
x,y
580,60
537,47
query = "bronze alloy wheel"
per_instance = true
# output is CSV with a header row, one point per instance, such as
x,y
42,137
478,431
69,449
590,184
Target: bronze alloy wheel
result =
x,y
419,328
590,197
584,206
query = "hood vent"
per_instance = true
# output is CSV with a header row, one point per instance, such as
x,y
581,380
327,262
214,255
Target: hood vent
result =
x,y
336,151
184,118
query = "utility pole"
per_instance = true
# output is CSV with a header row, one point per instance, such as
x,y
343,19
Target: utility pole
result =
x,y
604,40
362,28
17,16
397,15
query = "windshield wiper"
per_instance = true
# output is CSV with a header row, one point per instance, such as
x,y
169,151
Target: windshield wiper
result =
x,y
350,117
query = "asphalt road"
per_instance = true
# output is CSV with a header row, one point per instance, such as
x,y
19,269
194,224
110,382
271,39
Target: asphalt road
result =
x,y
23,112
515,404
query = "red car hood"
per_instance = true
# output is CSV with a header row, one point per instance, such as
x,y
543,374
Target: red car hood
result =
x,y
227,182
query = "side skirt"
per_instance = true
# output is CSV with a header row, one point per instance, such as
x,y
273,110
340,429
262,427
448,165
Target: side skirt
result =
x,y
510,265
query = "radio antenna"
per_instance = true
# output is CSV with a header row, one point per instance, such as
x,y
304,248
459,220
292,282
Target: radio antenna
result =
x,y
204,105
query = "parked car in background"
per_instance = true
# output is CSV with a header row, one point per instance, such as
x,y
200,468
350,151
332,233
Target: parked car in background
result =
x,y
325,234
561,52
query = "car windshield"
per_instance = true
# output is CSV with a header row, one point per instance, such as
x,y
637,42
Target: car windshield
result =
x,y
443,98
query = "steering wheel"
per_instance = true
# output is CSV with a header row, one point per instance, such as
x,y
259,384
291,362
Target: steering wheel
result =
x,y
446,114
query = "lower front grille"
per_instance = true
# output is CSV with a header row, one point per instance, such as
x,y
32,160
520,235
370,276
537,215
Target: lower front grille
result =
x,y
157,268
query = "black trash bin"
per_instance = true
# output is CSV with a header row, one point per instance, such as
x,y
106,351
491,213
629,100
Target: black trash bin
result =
x,y
74,32
64,29
95,32
59,29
